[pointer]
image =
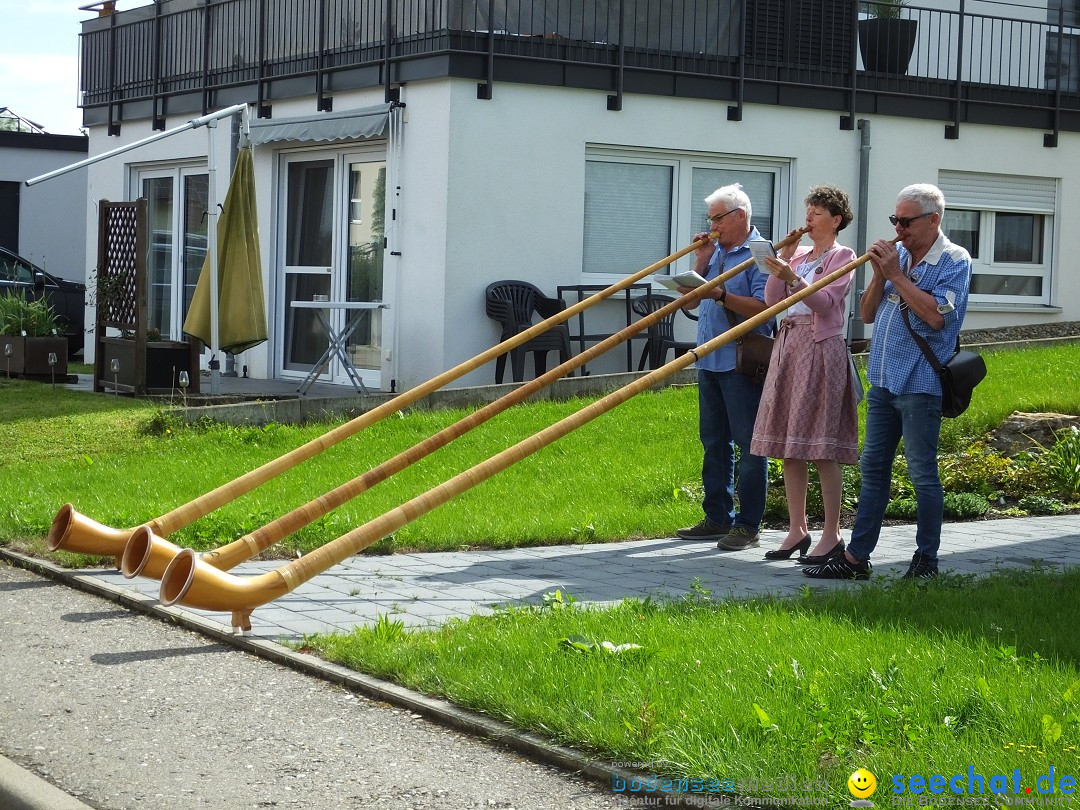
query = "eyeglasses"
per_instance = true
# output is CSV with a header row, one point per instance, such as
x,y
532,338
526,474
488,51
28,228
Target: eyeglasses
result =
x,y
905,222
716,220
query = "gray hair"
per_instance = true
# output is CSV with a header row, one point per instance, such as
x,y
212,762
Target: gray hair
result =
x,y
733,197
929,198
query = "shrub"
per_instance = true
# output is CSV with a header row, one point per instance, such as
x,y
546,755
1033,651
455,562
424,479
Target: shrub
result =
x,y
1041,505
901,509
965,505
984,471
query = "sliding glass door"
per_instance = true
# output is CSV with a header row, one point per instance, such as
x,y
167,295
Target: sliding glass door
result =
x,y
331,243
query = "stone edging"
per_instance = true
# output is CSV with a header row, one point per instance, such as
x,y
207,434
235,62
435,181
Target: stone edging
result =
x,y
435,709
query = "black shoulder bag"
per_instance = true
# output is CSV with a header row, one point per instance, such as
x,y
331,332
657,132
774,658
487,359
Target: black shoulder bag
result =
x,y
958,375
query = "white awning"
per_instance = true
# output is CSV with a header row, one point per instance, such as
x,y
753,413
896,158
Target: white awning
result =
x,y
364,122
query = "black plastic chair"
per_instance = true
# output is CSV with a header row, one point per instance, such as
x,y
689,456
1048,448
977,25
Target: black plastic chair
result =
x,y
661,335
513,304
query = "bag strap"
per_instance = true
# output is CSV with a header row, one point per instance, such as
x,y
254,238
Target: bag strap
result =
x,y
921,341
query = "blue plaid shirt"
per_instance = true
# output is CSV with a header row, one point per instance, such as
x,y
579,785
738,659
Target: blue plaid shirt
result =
x,y
712,317
896,362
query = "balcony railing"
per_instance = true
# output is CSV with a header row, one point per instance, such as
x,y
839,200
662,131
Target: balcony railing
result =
x,y
976,60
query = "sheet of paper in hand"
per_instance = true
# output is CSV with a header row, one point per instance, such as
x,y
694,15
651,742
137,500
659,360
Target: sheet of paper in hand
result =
x,y
688,279
761,249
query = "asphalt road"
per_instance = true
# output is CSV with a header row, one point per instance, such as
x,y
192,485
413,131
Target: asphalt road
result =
x,y
124,711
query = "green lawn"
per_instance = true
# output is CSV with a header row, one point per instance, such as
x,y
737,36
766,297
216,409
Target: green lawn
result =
x,y
633,472
896,678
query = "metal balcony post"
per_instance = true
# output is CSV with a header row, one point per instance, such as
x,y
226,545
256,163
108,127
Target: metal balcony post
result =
x,y
848,121
114,126
157,102
734,113
388,94
952,132
1050,139
614,102
262,109
206,57
323,103
483,90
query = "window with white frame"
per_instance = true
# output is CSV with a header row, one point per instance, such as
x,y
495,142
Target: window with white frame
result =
x,y
641,206
1006,222
176,219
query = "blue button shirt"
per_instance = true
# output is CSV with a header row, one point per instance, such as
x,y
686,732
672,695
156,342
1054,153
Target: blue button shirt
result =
x,y
896,362
712,317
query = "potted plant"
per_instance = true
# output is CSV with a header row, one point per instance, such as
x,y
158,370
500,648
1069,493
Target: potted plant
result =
x,y
886,39
31,341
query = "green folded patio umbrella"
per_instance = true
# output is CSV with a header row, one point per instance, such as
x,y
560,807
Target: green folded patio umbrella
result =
x,y
241,304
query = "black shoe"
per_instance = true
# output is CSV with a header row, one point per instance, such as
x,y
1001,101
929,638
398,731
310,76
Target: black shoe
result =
x,y
840,568
785,553
821,559
706,530
738,538
921,568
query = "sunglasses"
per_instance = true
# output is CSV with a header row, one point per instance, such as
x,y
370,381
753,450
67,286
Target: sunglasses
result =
x,y
905,222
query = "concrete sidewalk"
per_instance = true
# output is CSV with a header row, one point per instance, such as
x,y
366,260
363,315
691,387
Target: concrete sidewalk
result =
x,y
429,589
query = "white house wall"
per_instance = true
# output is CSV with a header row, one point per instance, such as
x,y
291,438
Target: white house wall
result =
x,y
51,231
517,182
494,189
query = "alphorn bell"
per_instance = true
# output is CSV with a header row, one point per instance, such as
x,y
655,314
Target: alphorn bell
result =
x,y
72,531
147,554
191,582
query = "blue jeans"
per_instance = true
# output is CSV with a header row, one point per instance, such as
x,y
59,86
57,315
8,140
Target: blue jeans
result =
x,y
915,418
727,405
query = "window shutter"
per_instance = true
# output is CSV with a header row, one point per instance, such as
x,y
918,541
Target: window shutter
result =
x,y
999,192
610,246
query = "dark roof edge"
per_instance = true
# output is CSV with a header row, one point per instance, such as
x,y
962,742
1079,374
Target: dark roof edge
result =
x,y
35,140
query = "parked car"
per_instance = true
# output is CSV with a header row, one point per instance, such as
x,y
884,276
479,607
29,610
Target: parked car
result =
x,y
67,298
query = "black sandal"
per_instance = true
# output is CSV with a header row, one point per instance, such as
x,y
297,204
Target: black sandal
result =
x,y
821,559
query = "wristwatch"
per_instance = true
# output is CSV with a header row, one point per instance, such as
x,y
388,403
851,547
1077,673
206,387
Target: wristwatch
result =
x,y
793,283
723,295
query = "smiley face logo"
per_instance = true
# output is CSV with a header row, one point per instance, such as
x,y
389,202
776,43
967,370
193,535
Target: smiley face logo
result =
x,y
862,784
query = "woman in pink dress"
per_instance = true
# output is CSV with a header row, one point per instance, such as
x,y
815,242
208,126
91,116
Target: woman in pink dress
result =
x,y
808,407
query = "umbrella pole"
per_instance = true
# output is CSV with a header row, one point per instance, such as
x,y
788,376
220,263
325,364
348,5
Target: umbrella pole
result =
x,y
212,247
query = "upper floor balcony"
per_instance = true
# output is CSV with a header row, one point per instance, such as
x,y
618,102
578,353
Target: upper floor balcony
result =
x,y
964,61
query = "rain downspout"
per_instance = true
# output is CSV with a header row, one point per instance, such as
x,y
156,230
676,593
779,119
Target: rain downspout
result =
x,y
856,328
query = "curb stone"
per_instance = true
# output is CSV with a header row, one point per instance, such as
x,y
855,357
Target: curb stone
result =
x,y
21,789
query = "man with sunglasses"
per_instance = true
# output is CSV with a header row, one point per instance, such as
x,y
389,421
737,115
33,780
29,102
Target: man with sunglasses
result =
x,y
928,276
727,399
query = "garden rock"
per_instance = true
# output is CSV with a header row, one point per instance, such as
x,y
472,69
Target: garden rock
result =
x,y
1024,431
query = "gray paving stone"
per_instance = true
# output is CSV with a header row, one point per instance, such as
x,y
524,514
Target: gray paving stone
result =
x,y
429,589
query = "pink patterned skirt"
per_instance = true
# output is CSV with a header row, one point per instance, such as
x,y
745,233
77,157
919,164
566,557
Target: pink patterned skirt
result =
x,y
808,407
